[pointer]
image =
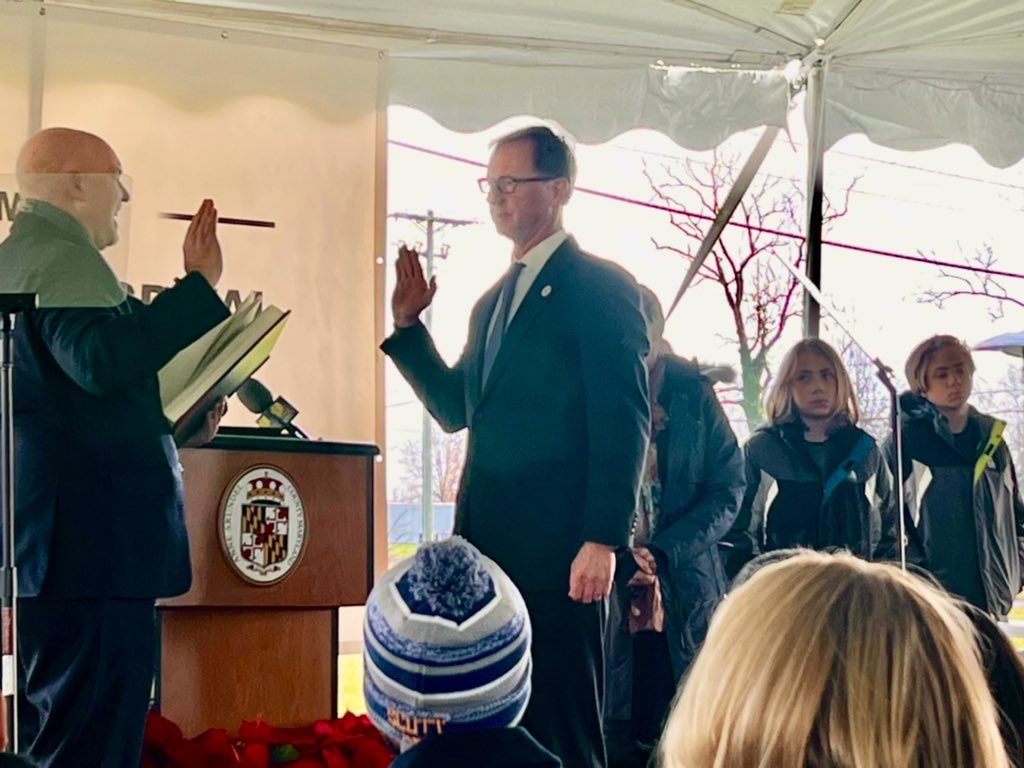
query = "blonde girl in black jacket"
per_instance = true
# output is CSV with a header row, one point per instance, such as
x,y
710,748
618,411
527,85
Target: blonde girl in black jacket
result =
x,y
814,479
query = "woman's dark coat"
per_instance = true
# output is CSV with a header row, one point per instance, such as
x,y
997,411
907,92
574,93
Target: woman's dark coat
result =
x,y
700,498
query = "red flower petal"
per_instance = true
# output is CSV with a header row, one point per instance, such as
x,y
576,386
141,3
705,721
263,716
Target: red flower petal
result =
x,y
161,732
254,755
255,730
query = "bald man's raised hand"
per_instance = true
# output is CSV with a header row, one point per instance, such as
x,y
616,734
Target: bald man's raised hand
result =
x,y
202,249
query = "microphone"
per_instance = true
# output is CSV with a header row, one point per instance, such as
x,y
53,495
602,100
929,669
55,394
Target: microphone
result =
x,y
273,412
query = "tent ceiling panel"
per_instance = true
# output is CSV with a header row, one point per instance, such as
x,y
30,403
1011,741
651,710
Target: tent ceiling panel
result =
x,y
715,107
905,113
909,73
715,28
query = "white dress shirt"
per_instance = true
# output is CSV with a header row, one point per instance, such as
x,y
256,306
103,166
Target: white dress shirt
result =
x,y
533,262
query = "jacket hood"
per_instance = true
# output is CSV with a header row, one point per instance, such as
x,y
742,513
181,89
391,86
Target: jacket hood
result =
x,y
918,409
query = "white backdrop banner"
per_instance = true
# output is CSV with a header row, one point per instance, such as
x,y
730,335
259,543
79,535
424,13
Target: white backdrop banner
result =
x,y
284,140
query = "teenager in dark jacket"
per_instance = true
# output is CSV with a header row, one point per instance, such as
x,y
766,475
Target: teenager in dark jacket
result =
x,y
814,479
965,517
690,495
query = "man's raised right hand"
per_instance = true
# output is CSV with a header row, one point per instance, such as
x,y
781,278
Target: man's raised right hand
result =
x,y
412,293
202,249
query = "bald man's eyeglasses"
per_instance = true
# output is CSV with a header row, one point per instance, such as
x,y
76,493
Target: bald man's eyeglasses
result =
x,y
507,184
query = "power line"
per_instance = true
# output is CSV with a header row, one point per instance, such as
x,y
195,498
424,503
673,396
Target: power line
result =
x,y
766,174
795,236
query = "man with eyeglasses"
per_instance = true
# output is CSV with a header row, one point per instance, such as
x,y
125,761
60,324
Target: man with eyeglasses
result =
x,y
553,389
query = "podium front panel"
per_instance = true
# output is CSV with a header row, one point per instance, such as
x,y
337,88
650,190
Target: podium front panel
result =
x,y
335,483
232,649
224,666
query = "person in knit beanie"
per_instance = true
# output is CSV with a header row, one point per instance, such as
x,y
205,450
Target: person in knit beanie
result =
x,y
446,658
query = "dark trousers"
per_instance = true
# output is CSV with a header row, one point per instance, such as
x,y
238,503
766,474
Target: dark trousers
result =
x,y
85,671
564,713
639,688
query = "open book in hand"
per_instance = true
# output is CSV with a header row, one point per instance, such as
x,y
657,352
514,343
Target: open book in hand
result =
x,y
216,364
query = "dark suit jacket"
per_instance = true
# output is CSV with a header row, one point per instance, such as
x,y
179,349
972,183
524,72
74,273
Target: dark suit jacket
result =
x,y
98,507
557,436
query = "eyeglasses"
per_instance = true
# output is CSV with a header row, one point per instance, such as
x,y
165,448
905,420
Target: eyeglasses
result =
x,y
507,184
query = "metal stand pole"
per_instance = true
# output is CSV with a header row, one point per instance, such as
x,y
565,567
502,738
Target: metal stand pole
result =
x,y
10,305
896,415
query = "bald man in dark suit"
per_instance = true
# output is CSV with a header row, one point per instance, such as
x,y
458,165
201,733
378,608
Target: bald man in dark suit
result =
x,y
99,526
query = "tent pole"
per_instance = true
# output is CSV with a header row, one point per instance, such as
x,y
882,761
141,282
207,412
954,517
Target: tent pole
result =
x,y
724,214
814,114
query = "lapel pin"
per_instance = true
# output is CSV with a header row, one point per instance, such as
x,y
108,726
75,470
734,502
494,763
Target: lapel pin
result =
x,y
545,291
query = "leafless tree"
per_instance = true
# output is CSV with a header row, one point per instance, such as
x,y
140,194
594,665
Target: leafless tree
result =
x,y
759,294
448,457
976,283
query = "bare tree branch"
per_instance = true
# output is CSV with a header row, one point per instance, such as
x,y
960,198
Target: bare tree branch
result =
x,y
973,284
448,456
760,299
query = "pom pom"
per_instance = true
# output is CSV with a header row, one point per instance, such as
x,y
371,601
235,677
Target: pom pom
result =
x,y
450,577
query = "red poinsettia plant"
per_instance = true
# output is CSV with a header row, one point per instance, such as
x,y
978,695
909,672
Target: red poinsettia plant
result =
x,y
348,742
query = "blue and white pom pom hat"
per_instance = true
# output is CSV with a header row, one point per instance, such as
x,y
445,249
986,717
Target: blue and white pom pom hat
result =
x,y
446,645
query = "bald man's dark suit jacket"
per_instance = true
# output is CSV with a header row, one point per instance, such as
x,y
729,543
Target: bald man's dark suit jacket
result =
x,y
99,523
557,434
98,481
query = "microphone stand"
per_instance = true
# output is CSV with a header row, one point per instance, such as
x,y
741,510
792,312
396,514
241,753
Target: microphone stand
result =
x,y
11,304
885,375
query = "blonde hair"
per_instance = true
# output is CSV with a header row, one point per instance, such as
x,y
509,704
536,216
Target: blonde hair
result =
x,y
779,406
827,661
922,355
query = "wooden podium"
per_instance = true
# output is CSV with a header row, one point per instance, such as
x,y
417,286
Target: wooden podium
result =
x,y
233,648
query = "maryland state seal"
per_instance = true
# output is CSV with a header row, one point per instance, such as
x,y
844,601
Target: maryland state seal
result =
x,y
262,525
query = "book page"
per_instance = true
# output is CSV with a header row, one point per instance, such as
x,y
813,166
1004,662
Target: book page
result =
x,y
251,347
178,372
244,316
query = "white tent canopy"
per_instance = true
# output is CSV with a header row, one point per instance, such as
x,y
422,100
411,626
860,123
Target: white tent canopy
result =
x,y
910,74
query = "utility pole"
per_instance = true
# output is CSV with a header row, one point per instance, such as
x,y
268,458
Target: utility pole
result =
x,y
431,224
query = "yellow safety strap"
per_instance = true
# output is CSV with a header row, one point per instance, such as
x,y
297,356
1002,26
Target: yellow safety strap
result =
x,y
994,439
